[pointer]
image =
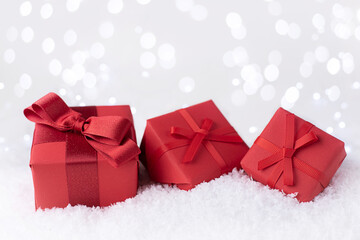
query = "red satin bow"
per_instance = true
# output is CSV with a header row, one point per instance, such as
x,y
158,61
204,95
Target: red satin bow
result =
x,y
197,136
105,134
284,156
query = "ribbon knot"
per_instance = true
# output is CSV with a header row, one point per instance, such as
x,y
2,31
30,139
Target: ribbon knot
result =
x,y
197,136
288,152
284,157
78,126
202,135
202,132
108,135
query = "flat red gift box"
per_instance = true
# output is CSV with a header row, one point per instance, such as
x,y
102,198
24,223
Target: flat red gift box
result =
x,y
294,156
97,165
190,146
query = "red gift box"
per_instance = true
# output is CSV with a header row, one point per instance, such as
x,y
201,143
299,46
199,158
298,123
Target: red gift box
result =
x,y
190,146
294,156
82,155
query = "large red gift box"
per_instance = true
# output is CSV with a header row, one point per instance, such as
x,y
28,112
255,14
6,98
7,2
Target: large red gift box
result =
x,y
294,156
82,155
190,146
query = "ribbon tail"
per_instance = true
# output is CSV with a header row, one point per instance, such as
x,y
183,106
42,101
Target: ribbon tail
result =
x,y
116,154
193,148
275,175
197,140
267,162
288,172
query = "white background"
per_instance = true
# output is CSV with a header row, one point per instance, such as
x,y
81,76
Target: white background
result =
x,y
250,57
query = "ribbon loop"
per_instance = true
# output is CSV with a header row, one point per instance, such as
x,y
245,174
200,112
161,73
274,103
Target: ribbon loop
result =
x,y
307,139
51,110
107,135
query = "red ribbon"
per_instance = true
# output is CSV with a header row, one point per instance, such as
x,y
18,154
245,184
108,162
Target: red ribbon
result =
x,y
284,157
198,136
105,134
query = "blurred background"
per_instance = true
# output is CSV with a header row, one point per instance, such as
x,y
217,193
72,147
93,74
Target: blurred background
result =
x,y
250,57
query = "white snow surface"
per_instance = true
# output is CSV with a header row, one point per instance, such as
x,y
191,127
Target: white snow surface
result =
x,y
230,207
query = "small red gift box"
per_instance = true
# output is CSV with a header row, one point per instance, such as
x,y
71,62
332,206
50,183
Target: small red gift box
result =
x,y
82,155
294,156
190,146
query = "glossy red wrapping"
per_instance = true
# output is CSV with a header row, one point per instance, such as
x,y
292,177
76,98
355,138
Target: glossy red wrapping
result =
x,y
55,178
321,158
170,167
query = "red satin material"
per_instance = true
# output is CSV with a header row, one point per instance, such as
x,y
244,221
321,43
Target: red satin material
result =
x,y
82,178
104,134
283,156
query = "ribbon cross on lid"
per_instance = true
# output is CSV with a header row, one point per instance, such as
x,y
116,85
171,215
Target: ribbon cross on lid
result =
x,y
283,157
203,135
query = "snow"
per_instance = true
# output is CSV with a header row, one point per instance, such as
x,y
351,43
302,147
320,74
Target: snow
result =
x,y
230,207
